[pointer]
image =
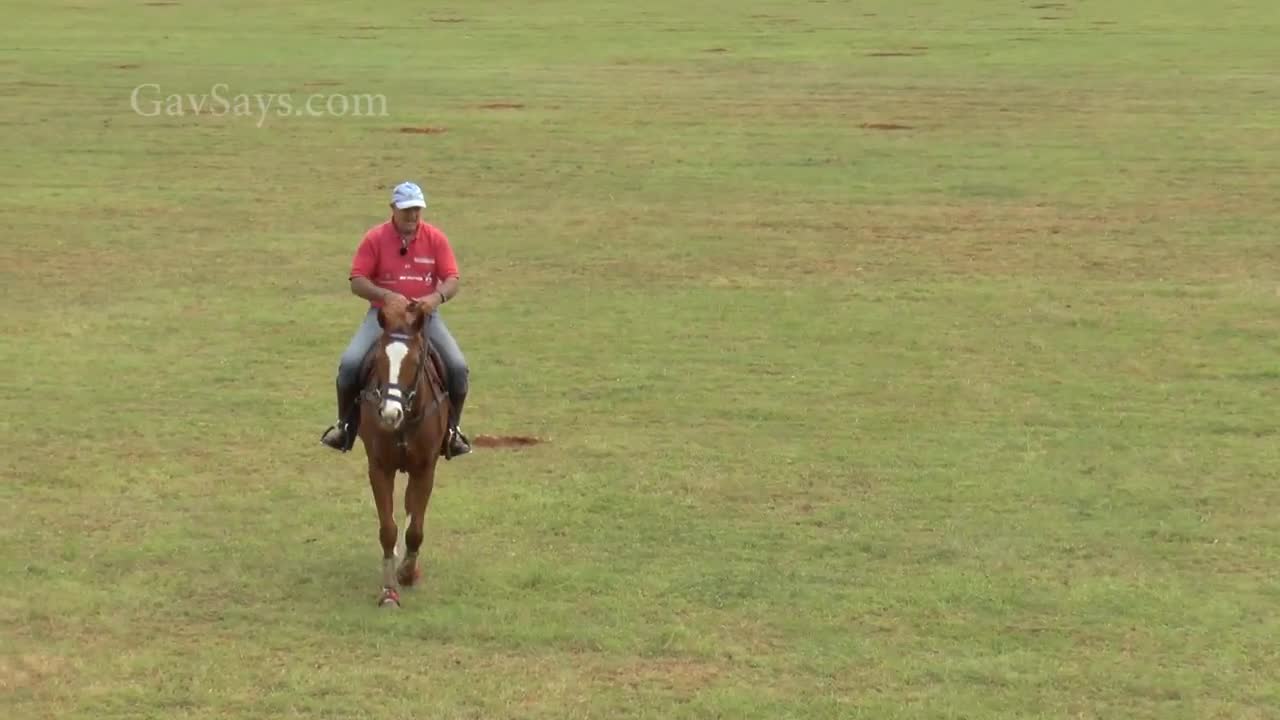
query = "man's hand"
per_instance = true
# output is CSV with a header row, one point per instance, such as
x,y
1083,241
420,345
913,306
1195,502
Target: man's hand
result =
x,y
363,287
430,302
394,300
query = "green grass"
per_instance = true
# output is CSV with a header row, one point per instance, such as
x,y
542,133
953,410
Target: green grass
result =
x,y
969,419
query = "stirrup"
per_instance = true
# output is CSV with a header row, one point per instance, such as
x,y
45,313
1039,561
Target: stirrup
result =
x,y
456,434
342,443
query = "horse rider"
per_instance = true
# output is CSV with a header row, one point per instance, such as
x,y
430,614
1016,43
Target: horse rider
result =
x,y
402,260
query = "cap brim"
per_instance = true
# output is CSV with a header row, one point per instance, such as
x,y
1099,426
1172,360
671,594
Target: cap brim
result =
x,y
410,203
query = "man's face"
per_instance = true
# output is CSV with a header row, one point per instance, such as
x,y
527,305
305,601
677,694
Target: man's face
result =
x,y
406,220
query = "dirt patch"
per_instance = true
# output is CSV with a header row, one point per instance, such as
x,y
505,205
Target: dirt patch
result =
x,y
160,3
1046,6
501,106
357,37
716,50
1051,17
892,53
423,130
449,20
128,66
885,126
504,441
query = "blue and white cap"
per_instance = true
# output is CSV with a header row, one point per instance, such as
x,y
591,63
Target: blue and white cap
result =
x,y
407,195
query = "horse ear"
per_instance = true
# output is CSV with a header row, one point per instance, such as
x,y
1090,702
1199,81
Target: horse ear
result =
x,y
382,319
420,317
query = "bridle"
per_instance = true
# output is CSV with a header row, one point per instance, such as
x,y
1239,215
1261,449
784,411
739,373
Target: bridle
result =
x,y
377,394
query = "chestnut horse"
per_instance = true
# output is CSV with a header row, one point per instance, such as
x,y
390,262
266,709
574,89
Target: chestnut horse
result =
x,y
403,423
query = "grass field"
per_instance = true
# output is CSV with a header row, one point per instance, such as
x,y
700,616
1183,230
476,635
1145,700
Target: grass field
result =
x,y
892,359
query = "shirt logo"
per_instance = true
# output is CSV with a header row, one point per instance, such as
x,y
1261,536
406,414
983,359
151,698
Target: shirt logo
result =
x,y
429,261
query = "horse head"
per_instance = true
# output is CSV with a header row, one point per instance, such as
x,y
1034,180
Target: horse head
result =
x,y
398,363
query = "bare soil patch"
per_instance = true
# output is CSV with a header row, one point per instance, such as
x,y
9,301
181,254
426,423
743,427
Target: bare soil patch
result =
x,y
505,441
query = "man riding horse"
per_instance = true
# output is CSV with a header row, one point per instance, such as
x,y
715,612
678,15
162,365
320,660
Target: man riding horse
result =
x,y
402,260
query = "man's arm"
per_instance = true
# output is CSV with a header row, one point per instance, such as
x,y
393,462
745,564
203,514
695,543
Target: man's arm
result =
x,y
363,287
363,265
444,291
448,289
447,268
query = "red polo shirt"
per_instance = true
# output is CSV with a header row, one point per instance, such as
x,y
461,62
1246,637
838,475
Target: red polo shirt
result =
x,y
427,260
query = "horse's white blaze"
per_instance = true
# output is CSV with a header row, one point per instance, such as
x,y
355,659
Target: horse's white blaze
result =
x,y
396,352
392,407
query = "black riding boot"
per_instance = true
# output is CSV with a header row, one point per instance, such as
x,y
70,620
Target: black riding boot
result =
x,y
342,434
457,442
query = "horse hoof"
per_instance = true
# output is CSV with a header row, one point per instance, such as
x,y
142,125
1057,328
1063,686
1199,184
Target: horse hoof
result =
x,y
390,600
410,578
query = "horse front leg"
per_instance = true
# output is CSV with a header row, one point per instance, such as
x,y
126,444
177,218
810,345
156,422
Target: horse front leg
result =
x,y
383,484
417,495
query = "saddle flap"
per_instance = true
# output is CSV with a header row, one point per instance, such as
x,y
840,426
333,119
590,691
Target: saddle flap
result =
x,y
366,366
438,362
